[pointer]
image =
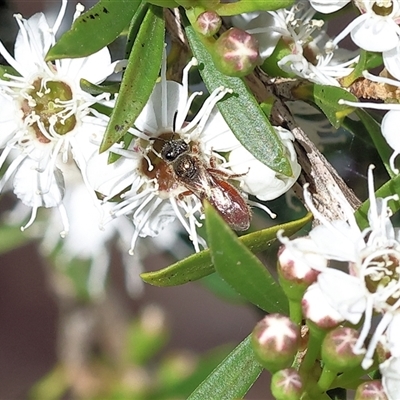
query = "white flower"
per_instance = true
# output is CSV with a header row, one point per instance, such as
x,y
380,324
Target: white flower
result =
x,y
44,114
376,29
156,194
373,256
328,6
391,377
311,56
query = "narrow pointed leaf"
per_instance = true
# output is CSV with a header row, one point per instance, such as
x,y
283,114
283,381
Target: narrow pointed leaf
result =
x,y
242,112
389,188
139,77
6,69
94,29
95,90
200,264
240,268
233,377
374,130
327,99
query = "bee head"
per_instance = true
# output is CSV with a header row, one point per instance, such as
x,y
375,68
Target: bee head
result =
x,y
173,149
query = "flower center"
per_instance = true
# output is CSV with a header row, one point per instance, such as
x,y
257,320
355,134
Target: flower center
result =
x,y
382,275
383,8
47,109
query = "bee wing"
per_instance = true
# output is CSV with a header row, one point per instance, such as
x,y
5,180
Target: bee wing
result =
x,y
230,204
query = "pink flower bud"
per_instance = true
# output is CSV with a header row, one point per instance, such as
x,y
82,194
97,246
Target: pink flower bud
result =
x,y
236,53
208,23
372,390
337,349
275,340
287,384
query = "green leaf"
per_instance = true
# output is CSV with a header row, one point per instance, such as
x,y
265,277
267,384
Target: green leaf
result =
x,y
367,60
245,6
6,69
327,99
139,77
200,265
388,189
374,129
242,112
11,237
233,377
94,29
134,26
94,90
240,268
215,284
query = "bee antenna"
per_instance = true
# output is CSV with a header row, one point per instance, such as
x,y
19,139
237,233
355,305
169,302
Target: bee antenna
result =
x,y
174,121
159,138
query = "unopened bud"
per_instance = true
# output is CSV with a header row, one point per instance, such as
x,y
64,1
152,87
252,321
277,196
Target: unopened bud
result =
x,y
275,340
337,349
236,53
317,309
208,23
287,384
296,258
372,390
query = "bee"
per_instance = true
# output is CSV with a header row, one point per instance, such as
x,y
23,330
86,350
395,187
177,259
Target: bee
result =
x,y
207,183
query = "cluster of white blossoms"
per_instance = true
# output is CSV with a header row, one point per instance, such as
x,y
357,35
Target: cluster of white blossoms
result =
x,y
366,289
50,131
376,29
307,49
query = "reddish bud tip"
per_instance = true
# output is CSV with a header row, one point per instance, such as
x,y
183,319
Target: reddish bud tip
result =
x,y
236,53
337,349
208,23
275,340
287,384
372,390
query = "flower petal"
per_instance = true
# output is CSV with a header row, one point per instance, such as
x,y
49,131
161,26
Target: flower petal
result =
x,y
94,68
151,118
8,120
391,377
32,45
38,189
376,34
344,292
216,134
260,180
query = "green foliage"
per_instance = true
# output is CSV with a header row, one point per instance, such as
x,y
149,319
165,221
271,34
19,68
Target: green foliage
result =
x,y
240,268
94,29
233,377
327,99
139,78
200,265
